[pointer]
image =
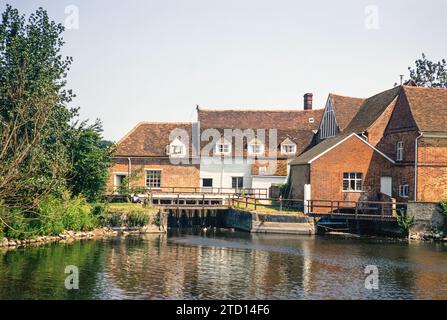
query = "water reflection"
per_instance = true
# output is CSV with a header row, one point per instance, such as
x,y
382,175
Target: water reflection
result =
x,y
226,265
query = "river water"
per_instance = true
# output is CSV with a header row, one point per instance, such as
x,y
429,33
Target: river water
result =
x,y
228,265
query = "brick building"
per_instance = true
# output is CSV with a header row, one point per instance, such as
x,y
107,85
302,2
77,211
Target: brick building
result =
x,y
156,156
405,125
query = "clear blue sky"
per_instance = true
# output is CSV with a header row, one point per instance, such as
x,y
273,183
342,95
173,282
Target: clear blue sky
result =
x,y
155,60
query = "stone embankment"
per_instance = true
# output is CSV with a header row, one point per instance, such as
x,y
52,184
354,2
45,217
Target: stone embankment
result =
x,y
71,236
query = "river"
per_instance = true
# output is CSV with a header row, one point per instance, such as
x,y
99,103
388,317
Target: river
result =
x,y
227,265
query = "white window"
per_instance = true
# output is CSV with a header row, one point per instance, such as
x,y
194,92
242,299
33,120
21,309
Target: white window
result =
x,y
400,151
352,181
153,178
311,120
255,148
263,170
119,178
288,148
404,190
223,148
176,149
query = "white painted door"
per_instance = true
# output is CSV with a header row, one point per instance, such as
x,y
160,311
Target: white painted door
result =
x,y
386,185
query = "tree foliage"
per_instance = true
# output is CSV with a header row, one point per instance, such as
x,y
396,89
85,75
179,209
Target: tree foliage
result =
x,y
91,160
428,73
33,112
44,151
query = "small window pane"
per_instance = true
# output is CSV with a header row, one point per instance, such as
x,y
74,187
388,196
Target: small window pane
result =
x,y
207,183
345,185
153,179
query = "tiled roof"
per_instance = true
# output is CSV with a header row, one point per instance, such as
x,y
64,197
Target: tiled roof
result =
x,y
428,107
149,139
292,124
345,109
260,119
280,170
371,110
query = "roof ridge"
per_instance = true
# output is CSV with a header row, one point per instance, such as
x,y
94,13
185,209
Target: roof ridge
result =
x,y
261,110
343,96
422,88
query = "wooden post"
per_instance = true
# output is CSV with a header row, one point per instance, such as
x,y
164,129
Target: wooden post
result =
x,y
280,203
246,202
256,202
178,203
356,210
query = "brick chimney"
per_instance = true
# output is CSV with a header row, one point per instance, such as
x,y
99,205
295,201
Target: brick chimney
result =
x,y
308,97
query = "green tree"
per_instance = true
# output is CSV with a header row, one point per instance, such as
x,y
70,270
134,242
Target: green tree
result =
x,y
34,115
428,73
91,160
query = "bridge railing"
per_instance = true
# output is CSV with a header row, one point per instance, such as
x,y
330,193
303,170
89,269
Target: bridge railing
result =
x,y
355,208
375,209
256,192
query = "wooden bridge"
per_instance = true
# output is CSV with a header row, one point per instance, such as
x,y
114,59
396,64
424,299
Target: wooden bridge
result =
x,y
191,198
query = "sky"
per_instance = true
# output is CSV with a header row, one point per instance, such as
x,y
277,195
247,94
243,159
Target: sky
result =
x,y
147,60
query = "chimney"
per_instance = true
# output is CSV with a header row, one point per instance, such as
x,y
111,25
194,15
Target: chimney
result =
x,y
308,97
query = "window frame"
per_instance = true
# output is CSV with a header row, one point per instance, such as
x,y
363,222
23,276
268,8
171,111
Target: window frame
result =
x,y
173,147
212,183
159,171
402,188
284,146
355,178
400,151
257,144
220,148
239,181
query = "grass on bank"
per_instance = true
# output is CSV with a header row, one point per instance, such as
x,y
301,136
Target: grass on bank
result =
x,y
55,214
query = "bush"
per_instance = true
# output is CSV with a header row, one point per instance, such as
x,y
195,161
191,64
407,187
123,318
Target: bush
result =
x,y
443,206
405,223
137,219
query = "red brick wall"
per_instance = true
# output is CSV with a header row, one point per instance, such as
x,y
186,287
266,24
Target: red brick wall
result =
x,y
171,176
326,173
432,169
432,157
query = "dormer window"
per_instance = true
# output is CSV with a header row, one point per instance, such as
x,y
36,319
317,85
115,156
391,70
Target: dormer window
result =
x,y
176,149
311,120
256,147
288,147
223,147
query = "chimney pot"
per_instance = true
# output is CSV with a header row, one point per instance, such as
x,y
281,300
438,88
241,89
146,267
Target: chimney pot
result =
x,y
308,97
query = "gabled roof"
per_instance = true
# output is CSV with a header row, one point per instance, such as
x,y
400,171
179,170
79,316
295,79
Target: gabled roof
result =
x,y
428,107
149,139
345,109
260,119
371,109
327,145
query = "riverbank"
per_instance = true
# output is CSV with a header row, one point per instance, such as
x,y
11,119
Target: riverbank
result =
x,y
71,236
